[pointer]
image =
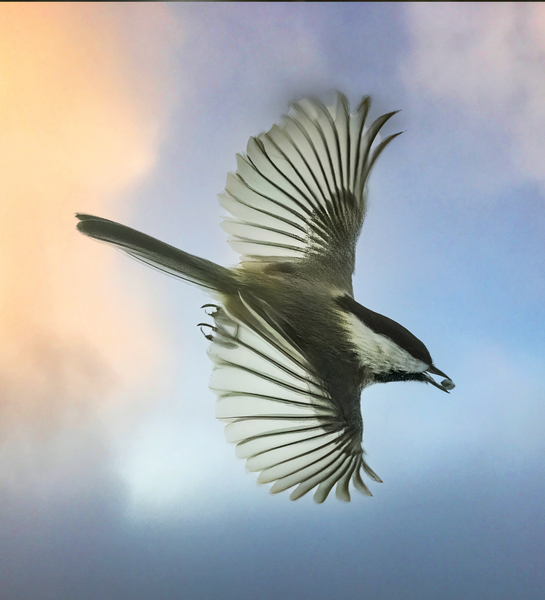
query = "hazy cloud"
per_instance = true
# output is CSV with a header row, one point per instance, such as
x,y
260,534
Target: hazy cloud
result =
x,y
489,57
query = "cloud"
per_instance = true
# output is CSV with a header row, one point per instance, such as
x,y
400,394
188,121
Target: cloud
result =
x,y
489,57
267,52
85,91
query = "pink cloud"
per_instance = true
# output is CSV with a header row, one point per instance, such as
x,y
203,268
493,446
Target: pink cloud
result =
x,y
488,56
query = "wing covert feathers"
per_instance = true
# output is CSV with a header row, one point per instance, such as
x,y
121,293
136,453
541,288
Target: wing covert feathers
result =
x,y
299,192
279,415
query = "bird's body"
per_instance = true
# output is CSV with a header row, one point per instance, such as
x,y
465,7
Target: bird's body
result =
x,y
292,348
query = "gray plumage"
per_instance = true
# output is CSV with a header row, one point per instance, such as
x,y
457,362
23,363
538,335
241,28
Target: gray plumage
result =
x,y
292,349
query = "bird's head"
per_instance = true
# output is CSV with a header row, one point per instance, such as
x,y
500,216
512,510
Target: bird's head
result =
x,y
386,349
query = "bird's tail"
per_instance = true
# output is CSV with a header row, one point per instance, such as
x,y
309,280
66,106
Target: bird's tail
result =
x,y
166,258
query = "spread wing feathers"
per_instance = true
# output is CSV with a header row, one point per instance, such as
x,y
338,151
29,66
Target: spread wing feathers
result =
x,y
300,188
279,415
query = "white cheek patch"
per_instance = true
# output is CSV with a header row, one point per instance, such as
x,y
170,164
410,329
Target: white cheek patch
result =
x,y
378,352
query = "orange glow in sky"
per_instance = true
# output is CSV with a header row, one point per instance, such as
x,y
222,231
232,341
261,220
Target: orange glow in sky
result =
x,y
77,129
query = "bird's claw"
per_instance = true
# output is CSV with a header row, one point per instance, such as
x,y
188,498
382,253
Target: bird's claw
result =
x,y
208,336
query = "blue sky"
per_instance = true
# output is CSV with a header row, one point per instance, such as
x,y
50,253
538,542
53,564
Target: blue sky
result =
x,y
115,480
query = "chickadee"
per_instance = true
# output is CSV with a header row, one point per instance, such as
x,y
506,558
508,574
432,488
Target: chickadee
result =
x,y
292,349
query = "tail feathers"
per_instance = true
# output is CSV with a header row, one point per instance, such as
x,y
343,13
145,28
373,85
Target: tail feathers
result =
x,y
159,255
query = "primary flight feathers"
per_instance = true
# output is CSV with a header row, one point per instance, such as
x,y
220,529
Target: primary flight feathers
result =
x,y
279,412
299,191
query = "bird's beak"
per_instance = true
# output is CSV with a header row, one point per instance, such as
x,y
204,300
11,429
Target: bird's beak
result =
x,y
446,385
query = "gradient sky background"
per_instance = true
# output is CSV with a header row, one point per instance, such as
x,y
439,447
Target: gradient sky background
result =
x,y
115,480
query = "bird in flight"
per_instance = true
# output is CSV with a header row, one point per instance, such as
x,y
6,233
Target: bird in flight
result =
x,y
291,347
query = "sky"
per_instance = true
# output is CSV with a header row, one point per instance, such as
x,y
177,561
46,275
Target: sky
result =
x,y
115,479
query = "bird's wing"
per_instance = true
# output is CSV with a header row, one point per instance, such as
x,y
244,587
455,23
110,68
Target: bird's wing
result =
x,y
299,192
279,414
